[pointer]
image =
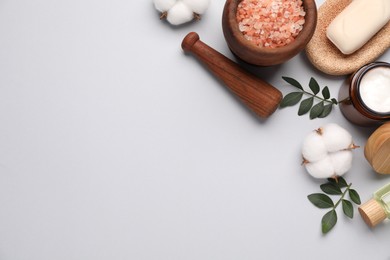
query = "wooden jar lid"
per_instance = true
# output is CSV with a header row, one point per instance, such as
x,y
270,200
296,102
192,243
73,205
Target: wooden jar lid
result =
x,y
377,149
372,213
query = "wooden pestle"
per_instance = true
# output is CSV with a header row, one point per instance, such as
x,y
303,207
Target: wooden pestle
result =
x,y
262,98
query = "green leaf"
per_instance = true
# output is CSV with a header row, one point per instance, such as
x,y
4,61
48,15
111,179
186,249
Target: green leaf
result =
x,y
347,208
331,189
293,82
305,106
317,110
320,110
329,220
320,200
342,182
313,84
339,182
354,196
326,93
327,109
291,99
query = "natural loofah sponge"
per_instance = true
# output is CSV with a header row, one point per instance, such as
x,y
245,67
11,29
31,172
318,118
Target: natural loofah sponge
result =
x,y
327,58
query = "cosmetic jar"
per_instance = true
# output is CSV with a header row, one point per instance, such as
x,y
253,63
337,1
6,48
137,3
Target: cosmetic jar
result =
x,y
364,98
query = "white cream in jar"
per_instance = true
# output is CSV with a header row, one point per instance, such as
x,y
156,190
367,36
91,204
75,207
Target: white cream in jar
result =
x,y
364,98
374,89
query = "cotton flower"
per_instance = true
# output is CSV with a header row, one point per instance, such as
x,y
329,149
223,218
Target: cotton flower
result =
x,y
181,11
327,151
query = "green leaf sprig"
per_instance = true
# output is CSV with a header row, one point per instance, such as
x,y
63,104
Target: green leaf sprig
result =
x,y
320,109
323,201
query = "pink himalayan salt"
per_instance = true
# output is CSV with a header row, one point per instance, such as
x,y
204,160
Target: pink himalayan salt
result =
x,y
270,23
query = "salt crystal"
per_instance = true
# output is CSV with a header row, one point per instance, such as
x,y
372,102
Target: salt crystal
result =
x,y
257,25
270,23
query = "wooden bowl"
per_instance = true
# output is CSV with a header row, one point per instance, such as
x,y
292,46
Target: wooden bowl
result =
x,y
262,56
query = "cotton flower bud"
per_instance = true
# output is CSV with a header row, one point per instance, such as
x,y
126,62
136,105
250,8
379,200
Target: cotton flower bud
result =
x,y
181,11
198,6
327,151
335,137
164,5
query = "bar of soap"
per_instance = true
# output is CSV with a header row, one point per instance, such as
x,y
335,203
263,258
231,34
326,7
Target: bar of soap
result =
x,y
358,23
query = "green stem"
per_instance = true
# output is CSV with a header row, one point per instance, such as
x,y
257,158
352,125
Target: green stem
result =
x,y
322,99
345,100
342,196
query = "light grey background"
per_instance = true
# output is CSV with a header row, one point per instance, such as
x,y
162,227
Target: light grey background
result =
x,y
116,145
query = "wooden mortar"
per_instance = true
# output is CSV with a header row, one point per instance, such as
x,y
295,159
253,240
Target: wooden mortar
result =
x,y
262,56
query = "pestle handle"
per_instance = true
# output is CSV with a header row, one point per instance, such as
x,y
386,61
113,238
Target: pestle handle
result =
x,y
262,98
